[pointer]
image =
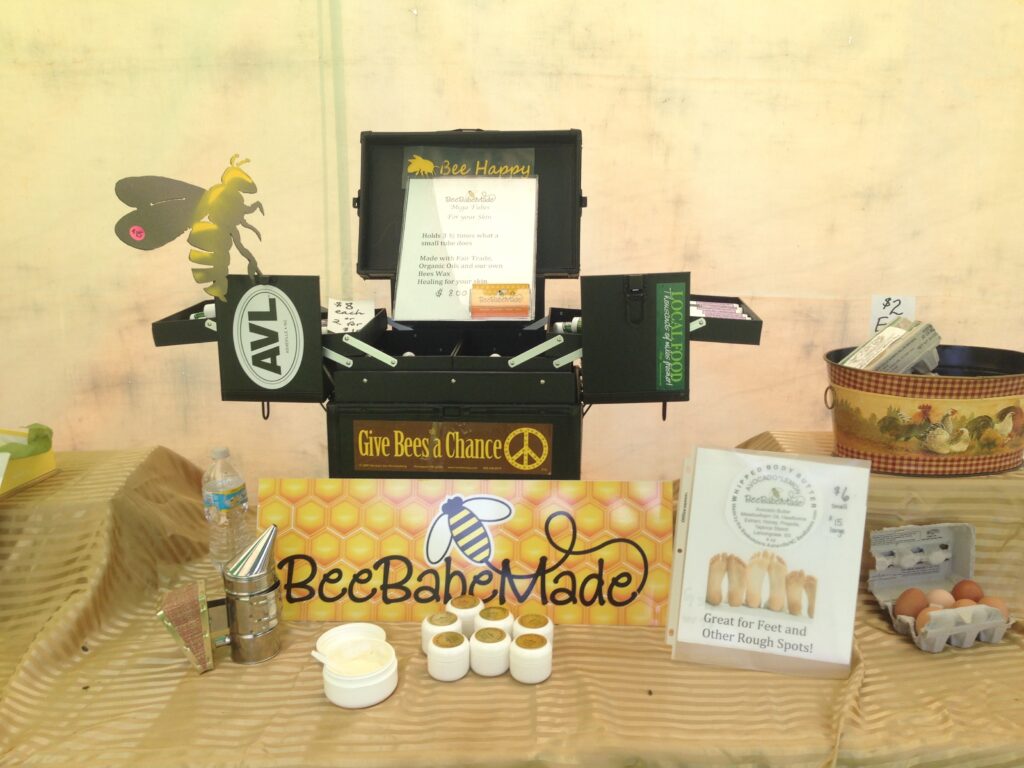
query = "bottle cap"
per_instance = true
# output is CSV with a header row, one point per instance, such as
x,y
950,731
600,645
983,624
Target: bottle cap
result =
x,y
219,453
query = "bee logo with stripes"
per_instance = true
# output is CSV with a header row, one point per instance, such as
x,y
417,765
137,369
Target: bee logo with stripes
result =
x,y
464,523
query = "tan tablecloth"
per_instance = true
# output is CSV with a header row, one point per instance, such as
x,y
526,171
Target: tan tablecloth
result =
x,y
89,676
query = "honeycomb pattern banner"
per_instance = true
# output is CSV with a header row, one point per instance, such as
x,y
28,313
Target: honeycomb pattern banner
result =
x,y
579,552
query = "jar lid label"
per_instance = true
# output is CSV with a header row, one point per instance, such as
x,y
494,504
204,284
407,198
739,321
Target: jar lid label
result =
x,y
442,619
465,601
533,620
494,613
449,640
490,635
531,642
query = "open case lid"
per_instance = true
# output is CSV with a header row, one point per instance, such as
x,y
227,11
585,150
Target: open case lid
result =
x,y
556,157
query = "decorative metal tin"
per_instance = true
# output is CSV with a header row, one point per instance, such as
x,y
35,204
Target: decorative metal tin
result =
x,y
968,420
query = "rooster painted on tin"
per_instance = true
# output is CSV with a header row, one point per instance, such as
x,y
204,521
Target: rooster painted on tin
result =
x,y
1008,424
899,426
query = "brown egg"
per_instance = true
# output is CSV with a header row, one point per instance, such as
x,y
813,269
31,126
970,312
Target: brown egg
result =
x,y
961,603
941,597
998,604
910,603
922,617
968,589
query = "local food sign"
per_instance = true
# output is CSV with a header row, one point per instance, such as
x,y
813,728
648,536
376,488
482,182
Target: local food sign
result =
x,y
396,550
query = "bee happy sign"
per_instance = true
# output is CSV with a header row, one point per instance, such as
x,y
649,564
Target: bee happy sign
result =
x,y
394,550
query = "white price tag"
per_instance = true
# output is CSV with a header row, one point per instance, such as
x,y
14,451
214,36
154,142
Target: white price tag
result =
x,y
885,309
347,316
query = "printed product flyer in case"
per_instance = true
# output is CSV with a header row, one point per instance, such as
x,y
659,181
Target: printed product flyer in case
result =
x,y
458,234
772,547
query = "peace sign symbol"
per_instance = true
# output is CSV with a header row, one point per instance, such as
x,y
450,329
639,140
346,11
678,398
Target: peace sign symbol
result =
x,y
523,453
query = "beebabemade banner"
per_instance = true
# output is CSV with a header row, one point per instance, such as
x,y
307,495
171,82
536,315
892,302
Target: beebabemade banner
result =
x,y
395,550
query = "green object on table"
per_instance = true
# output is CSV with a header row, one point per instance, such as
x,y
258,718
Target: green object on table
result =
x,y
40,440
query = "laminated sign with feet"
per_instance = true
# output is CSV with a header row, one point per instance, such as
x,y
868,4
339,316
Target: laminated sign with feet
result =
x,y
771,560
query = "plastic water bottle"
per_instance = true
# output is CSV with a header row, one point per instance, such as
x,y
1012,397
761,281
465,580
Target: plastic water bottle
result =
x,y
226,505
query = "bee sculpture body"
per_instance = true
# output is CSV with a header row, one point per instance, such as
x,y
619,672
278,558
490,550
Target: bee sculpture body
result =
x,y
164,208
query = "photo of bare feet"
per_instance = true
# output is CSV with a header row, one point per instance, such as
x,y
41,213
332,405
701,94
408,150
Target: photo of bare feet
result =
x,y
811,588
757,569
777,578
787,590
795,592
737,570
716,575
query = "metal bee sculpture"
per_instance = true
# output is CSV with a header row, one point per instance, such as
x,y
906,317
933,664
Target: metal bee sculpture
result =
x,y
462,522
164,208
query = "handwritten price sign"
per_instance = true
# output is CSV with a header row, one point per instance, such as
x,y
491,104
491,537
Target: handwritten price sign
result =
x,y
885,309
347,316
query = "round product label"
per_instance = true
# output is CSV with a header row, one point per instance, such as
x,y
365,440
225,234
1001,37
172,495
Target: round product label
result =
x,y
448,640
490,635
494,613
531,642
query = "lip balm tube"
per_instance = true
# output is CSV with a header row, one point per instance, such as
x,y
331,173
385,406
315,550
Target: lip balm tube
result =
x,y
435,624
466,607
488,652
448,657
529,659
534,623
569,326
208,311
494,616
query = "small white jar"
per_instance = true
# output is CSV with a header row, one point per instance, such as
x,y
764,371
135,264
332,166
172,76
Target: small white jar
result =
x,y
466,607
530,659
495,616
448,657
488,652
534,623
435,624
360,673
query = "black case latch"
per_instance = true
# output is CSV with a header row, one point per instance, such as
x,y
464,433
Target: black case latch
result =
x,y
633,287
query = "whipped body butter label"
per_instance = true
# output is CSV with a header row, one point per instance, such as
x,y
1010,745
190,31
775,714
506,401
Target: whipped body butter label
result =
x,y
772,548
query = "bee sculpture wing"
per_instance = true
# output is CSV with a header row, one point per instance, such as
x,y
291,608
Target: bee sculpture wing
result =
x,y
439,539
488,509
163,210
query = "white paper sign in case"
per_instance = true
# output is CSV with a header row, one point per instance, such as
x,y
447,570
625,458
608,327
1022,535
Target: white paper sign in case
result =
x,y
460,232
772,547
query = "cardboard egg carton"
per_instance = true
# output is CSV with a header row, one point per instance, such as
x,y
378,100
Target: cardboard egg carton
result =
x,y
932,557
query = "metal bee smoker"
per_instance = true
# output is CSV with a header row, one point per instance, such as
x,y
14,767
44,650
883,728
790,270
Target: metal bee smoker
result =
x,y
247,618
252,591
